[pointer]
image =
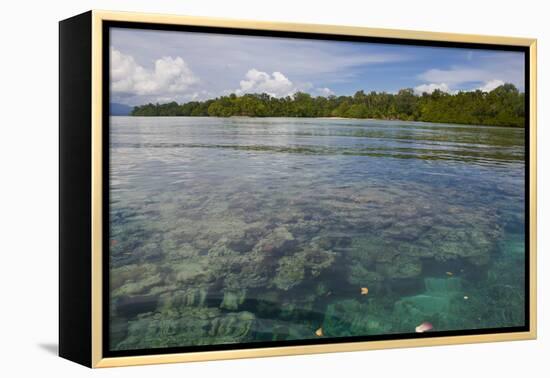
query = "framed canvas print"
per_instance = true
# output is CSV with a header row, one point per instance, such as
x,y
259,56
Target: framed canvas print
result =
x,y
235,189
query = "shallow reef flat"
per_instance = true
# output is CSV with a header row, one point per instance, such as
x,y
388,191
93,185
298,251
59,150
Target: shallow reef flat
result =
x,y
214,245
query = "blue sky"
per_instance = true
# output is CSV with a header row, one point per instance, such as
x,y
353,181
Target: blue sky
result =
x,y
162,66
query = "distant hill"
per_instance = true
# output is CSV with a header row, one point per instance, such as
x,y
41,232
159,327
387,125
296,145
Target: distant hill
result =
x,y
120,109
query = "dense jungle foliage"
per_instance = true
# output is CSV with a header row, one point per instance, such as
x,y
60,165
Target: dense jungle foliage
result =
x,y
503,106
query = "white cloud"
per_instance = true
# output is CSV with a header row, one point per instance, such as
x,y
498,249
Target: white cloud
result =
x,y
429,88
490,85
169,75
325,91
318,61
276,84
454,75
490,72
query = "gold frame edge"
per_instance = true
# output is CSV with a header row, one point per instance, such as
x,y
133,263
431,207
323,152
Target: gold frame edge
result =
x,y
98,361
533,188
97,190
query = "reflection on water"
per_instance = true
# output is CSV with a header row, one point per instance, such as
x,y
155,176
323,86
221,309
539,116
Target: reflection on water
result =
x,y
244,229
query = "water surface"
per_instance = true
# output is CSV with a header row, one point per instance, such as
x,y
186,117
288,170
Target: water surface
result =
x,y
257,229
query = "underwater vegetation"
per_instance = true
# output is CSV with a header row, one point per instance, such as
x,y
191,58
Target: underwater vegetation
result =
x,y
216,245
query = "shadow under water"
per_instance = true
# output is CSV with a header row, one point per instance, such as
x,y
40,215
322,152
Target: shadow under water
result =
x,y
241,230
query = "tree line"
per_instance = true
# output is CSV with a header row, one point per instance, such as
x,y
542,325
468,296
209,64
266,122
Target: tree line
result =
x,y
503,106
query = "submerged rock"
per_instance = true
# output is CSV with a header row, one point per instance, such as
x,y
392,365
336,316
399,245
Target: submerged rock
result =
x,y
289,273
402,266
360,276
139,286
443,285
277,241
193,296
352,318
232,299
293,269
434,305
189,326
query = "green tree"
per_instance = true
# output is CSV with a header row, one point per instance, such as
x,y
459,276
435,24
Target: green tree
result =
x,y
503,106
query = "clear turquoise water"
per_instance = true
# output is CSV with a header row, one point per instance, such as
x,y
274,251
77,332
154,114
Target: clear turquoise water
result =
x,y
255,229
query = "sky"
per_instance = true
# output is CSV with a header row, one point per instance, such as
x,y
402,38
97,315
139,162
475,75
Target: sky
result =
x,y
164,66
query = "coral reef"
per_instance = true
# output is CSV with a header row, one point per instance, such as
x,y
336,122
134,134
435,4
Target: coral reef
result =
x,y
188,326
350,317
227,245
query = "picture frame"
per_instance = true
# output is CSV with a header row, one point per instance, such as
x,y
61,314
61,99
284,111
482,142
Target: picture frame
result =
x,y
84,145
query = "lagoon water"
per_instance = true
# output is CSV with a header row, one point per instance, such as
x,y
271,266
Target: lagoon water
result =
x,y
236,230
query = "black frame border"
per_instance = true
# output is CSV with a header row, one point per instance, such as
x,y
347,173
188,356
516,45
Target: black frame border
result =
x,y
107,25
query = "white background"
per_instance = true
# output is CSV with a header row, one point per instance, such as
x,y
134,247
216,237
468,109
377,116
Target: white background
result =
x,y
28,187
